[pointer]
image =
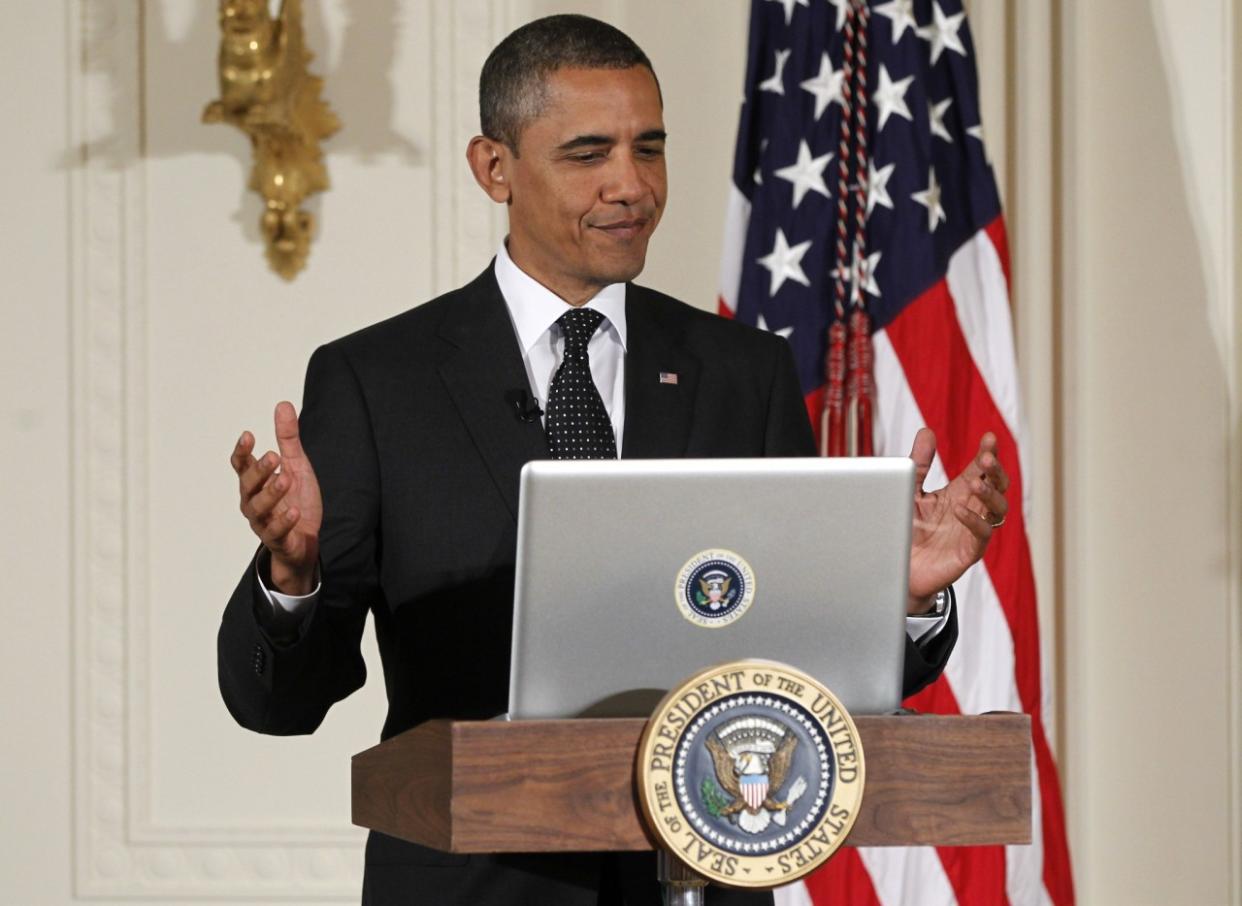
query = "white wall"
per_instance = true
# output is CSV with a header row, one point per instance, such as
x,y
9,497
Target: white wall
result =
x,y
142,331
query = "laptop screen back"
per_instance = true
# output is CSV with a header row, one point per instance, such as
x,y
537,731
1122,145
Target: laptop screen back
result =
x,y
634,574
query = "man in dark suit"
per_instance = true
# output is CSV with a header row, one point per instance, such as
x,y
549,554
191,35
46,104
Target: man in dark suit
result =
x,y
396,494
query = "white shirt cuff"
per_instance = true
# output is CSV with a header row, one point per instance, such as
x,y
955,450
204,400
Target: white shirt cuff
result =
x,y
286,608
922,628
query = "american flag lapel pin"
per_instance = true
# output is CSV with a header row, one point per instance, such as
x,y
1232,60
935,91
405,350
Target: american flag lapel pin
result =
x,y
668,377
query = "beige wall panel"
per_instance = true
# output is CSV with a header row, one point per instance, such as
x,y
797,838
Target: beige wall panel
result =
x,y
36,440
1149,554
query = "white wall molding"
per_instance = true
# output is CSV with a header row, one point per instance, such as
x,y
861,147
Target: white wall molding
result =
x,y
468,227
1032,207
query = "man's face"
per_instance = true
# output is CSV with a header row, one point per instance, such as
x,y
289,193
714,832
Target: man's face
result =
x,y
589,185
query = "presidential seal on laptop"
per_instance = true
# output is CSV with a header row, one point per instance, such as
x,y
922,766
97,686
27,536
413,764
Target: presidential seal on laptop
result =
x,y
714,588
751,773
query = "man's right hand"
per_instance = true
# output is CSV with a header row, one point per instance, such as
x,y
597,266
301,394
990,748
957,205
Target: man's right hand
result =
x,y
280,499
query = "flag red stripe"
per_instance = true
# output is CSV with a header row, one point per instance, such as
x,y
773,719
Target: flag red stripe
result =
x,y
1058,876
844,879
977,874
1000,241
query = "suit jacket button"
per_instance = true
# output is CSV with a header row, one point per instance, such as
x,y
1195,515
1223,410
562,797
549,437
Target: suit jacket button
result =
x,y
259,658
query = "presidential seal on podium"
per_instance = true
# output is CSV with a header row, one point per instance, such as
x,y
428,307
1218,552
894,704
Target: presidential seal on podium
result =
x,y
750,774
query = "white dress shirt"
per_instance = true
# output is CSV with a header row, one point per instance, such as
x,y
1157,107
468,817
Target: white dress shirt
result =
x,y
533,310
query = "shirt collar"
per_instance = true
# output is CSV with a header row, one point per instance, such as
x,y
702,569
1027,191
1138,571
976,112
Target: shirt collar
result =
x,y
534,308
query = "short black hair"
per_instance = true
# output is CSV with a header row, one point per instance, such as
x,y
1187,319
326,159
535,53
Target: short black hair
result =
x,y
513,84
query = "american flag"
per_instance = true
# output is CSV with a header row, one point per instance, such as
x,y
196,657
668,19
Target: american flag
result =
x,y
861,187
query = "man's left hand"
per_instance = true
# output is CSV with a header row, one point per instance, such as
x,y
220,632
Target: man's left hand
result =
x,y
952,526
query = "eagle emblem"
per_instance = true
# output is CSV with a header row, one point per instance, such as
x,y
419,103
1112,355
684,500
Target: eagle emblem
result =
x,y
752,757
714,589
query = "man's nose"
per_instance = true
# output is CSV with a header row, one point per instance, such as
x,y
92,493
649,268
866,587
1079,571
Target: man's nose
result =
x,y
625,183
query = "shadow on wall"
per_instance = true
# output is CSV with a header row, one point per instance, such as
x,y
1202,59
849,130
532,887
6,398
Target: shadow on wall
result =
x,y
1160,253
180,78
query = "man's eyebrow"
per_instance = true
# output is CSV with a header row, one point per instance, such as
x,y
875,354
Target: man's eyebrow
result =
x,y
586,141
591,141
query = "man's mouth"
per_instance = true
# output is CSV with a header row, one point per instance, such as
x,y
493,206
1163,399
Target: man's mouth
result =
x,y
623,229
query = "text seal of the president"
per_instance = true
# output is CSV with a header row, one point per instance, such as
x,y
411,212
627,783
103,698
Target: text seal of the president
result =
x,y
751,773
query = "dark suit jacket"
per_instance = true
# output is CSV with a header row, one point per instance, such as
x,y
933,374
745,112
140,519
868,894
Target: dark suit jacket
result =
x,y
410,427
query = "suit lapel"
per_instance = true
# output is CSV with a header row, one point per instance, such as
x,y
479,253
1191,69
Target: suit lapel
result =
x,y
657,414
482,370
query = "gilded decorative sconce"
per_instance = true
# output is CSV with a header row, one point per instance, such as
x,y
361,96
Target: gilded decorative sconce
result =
x,y
267,92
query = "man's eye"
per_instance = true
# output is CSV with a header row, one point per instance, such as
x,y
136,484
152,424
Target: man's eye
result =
x,y
587,157
650,152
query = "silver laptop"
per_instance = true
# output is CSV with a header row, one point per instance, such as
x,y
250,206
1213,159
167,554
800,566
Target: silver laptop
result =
x,y
634,574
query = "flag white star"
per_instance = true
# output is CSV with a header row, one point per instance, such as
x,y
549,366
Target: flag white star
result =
x,y
942,33
935,114
776,81
762,324
864,275
976,131
763,146
861,276
826,86
890,96
789,7
901,14
877,186
806,173
842,6
930,199
785,262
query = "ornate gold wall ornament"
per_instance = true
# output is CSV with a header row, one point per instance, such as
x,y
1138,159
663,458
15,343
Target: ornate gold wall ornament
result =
x,y
268,93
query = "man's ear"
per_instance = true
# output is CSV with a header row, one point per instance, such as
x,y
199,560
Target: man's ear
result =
x,y
488,161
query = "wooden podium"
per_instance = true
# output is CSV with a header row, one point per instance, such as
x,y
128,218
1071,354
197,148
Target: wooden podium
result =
x,y
569,785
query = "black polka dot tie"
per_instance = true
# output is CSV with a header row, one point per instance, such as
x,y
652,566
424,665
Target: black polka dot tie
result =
x,y
577,423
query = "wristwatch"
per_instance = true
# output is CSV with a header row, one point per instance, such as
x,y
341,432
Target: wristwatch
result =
x,y
940,603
